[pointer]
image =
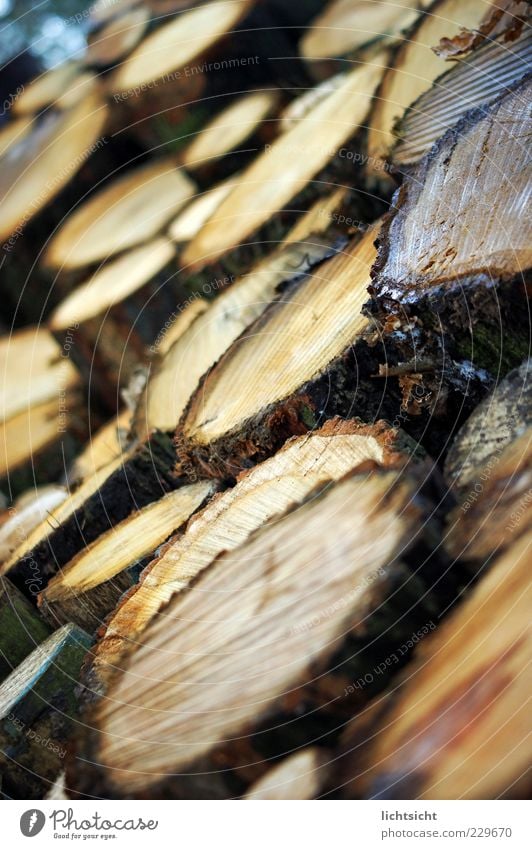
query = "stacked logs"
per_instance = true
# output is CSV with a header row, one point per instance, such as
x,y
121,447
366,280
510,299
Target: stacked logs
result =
x,y
266,429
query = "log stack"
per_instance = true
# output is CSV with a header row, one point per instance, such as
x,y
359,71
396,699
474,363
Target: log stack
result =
x,y
265,405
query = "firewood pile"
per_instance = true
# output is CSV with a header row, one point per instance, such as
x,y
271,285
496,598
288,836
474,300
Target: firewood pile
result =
x,y
266,458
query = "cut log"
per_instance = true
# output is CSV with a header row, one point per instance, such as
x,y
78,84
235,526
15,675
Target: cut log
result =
x,y
37,708
189,222
497,509
22,629
38,444
47,90
475,82
109,320
309,100
45,160
300,165
299,776
24,516
33,370
103,446
345,27
258,497
448,286
503,416
181,44
169,390
88,588
254,660
327,216
112,42
234,135
414,68
175,327
128,483
129,211
303,361
457,727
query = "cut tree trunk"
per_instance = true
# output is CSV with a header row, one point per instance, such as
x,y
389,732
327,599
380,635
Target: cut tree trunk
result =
x,y
299,776
87,589
33,370
129,211
187,68
103,446
109,321
13,132
109,44
58,88
294,616
43,162
46,173
413,70
37,708
457,726
182,43
304,360
197,350
449,284
302,164
258,497
22,629
346,27
474,82
128,483
190,221
233,137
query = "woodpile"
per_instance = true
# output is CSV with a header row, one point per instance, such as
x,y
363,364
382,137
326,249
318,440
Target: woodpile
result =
x,y
265,407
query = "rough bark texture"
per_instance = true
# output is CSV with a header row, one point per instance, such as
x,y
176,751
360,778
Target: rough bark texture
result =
x,y
38,705
135,481
477,82
449,285
497,508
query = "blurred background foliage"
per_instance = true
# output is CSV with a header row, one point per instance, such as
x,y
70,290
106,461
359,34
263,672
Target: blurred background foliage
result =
x,y
51,30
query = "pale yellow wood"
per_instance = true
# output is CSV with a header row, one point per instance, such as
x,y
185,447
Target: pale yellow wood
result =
x,y
282,171
127,542
113,283
33,369
177,44
129,211
229,130
36,169
347,25
298,341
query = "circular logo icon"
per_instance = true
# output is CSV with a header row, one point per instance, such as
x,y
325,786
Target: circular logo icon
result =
x,y
32,822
